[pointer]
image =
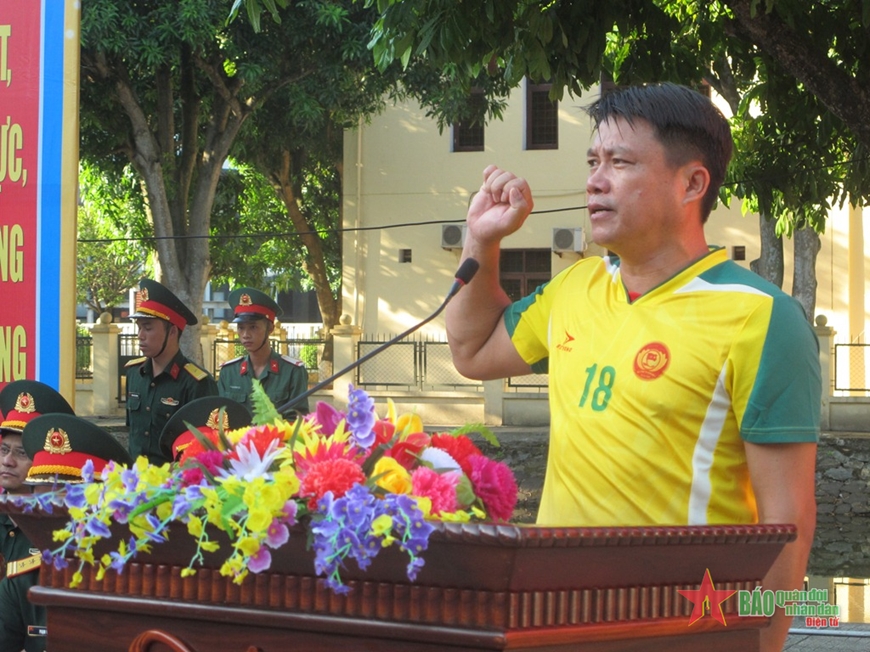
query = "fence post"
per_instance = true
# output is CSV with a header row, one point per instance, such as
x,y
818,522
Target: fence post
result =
x,y
825,334
345,338
105,382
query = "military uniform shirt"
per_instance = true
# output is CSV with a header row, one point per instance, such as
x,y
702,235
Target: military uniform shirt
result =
x,y
282,379
151,401
21,622
651,400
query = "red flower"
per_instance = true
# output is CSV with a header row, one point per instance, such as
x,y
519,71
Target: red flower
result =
x,y
406,451
195,449
261,437
384,431
460,449
495,485
325,449
337,476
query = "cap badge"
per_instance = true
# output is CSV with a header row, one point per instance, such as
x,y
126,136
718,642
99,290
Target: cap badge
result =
x,y
245,300
24,403
213,420
57,442
143,294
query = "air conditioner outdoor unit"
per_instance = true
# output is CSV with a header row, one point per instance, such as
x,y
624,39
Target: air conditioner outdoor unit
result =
x,y
568,240
452,236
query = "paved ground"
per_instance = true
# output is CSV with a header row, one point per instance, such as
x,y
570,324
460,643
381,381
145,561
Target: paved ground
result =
x,y
847,637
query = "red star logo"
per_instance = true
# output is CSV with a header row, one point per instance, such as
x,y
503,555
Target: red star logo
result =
x,y
707,597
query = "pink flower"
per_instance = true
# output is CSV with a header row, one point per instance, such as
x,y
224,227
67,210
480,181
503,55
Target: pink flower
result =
x,y
277,535
260,561
328,417
440,488
495,485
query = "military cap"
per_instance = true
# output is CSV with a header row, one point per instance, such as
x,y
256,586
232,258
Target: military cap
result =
x,y
21,401
157,302
249,304
202,414
60,444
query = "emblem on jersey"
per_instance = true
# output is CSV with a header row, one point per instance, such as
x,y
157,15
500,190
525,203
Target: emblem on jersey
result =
x,y
651,361
566,343
24,403
57,442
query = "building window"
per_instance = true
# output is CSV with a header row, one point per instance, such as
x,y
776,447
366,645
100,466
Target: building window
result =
x,y
738,252
468,135
404,255
542,118
521,271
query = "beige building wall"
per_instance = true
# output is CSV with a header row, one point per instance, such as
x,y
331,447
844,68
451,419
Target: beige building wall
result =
x,y
399,170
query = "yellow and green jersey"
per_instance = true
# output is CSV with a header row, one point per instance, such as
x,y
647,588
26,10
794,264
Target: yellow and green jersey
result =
x,y
651,400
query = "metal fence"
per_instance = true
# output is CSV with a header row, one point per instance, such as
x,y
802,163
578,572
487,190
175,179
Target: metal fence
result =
x,y
851,364
84,357
412,365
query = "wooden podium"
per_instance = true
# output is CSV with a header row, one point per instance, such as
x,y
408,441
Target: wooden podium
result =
x,y
484,587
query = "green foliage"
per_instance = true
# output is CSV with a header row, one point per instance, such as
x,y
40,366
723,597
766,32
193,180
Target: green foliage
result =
x,y
109,259
308,355
264,411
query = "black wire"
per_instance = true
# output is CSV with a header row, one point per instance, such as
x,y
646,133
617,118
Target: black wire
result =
x,y
285,234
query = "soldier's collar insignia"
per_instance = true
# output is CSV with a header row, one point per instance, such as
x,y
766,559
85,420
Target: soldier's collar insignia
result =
x,y
25,403
213,422
57,442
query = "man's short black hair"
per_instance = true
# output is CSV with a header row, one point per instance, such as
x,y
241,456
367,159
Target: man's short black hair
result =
x,y
687,124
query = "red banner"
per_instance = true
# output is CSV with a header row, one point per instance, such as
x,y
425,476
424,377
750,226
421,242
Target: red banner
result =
x,y
20,48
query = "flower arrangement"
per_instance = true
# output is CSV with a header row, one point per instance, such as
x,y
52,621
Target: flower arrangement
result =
x,y
358,483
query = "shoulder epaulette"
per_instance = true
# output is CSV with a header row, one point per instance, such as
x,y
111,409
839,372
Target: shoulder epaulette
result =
x,y
241,357
135,361
195,371
21,566
295,361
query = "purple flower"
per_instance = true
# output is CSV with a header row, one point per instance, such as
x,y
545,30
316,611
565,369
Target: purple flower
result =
x,y
88,470
277,534
97,528
75,496
361,417
260,561
289,513
130,479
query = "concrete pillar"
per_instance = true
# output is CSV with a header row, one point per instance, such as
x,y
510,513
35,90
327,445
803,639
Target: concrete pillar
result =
x,y
493,402
106,372
826,358
345,338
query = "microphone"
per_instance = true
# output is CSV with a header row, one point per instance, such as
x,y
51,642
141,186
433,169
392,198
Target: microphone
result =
x,y
463,276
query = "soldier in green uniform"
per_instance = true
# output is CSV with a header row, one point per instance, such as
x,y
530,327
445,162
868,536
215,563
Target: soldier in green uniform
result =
x,y
281,376
164,379
22,626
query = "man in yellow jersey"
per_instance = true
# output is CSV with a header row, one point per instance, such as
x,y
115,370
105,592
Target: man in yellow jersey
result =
x,y
684,389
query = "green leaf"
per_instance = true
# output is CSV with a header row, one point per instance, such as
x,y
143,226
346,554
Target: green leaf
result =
x,y
264,411
478,428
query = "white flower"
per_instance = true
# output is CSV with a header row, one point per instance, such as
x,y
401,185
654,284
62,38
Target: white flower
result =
x,y
249,465
440,460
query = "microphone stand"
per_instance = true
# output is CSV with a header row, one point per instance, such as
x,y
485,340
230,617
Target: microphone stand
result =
x,y
466,271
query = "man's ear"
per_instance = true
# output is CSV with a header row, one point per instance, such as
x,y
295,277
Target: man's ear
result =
x,y
696,181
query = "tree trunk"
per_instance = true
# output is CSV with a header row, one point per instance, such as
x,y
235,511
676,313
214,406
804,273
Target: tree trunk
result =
x,y
807,245
769,265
